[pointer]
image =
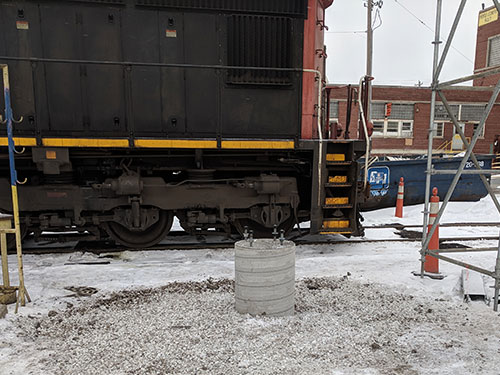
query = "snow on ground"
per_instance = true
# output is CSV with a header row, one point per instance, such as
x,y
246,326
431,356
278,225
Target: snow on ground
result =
x,y
336,322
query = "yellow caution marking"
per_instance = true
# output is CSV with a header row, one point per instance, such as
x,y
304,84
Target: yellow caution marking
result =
x,y
335,157
18,141
84,142
50,154
272,145
175,143
335,224
335,201
337,179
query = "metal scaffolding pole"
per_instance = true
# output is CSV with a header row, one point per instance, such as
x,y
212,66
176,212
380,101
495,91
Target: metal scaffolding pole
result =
x,y
436,90
435,82
472,156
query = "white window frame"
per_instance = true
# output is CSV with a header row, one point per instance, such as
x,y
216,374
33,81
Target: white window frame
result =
x,y
399,134
474,124
437,124
490,39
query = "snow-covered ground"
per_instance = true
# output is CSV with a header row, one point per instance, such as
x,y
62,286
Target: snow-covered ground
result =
x,y
399,338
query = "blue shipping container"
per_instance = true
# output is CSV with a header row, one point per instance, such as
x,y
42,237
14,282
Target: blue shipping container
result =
x,y
384,176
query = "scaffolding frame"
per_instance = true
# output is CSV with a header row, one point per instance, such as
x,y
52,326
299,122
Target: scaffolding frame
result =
x,y
436,87
22,295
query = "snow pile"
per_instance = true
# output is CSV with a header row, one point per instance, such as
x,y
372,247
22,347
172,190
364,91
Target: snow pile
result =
x,y
341,326
382,319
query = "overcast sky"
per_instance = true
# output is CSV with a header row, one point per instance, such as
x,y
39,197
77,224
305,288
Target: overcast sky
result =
x,y
402,44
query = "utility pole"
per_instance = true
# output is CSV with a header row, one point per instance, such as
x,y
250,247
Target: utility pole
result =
x,y
369,56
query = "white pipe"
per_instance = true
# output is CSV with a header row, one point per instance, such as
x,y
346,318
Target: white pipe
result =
x,y
367,137
320,133
320,97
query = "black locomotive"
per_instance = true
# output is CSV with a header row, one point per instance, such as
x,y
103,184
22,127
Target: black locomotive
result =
x,y
136,111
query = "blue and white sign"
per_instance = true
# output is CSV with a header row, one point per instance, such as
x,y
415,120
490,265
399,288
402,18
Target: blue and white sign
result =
x,y
378,177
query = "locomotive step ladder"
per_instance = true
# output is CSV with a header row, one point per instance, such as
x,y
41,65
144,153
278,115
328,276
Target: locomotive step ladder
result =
x,y
337,211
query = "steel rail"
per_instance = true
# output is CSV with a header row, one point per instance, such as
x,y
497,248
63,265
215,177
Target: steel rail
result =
x,y
196,245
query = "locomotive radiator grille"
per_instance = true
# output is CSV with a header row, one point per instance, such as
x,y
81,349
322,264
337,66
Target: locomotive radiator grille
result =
x,y
259,41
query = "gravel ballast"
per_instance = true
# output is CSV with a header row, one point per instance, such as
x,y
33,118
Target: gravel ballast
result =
x,y
340,326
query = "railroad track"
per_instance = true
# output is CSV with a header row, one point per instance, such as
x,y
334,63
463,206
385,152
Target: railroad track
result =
x,y
444,225
182,241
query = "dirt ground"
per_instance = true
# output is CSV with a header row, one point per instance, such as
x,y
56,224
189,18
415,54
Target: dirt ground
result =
x,y
340,326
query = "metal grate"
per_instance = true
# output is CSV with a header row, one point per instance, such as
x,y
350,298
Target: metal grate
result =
x,y
402,111
259,41
296,8
441,113
334,109
398,111
472,112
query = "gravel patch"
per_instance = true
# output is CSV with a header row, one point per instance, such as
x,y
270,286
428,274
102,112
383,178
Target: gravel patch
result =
x,y
340,326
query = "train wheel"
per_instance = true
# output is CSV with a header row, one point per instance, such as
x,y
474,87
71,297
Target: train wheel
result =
x,y
260,231
140,239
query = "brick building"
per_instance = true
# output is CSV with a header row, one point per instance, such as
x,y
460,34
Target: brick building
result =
x,y
404,130
487,46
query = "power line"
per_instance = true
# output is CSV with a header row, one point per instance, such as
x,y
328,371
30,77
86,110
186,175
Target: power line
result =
x,y
430,28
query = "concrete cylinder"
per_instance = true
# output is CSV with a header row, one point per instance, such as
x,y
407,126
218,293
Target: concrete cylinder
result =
x,y
265,277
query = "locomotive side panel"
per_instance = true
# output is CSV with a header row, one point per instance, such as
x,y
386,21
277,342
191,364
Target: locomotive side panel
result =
x,y
16,42
82,86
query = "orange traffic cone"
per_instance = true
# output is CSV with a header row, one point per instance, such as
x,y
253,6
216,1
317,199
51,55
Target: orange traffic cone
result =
x,y
431,264
400,199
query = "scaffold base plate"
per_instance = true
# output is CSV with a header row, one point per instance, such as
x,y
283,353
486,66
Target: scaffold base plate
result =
x,y
435,276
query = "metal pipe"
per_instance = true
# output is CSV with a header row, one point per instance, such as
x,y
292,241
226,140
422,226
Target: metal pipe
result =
x,y
497,279
369,58
450,39
365,129
460,170
348,112
468,171
463,250
435,81
320,133
137,63
462,264
497,5
468,78
22,293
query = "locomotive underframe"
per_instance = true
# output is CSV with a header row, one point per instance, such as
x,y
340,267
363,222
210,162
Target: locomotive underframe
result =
x,y
87,190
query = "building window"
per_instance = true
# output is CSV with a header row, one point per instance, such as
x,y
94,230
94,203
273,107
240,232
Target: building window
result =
x,y
392,129
438,129
378,128
392,121
462,112
334,110
471,112
441,113
407,129
481,135
494,51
